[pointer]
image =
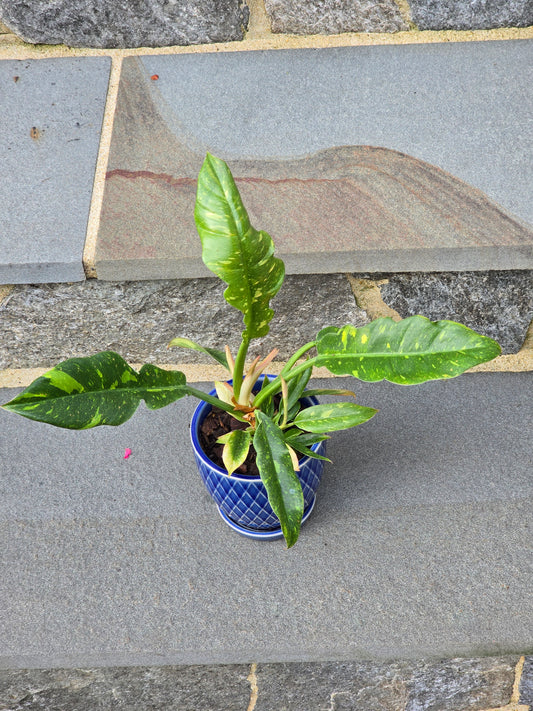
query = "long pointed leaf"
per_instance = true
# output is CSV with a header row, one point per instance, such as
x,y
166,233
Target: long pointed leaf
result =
x,y
235,251
102,389
410,351
277,474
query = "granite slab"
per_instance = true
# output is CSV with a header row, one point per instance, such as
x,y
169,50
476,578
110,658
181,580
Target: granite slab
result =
x,y
384,158
126,23
319,17
419,544
421,685
469,15
41,325
498,304
52,112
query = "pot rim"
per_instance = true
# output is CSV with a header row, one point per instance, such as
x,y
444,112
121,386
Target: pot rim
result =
x,y
195,440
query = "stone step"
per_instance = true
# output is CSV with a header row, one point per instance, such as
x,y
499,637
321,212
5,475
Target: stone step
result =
x,y
372,158
401,158
419,544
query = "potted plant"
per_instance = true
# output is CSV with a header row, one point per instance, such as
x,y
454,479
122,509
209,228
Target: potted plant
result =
x,y
274,420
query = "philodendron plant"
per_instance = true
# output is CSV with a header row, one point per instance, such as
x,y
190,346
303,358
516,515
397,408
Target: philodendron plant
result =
x,y
103,389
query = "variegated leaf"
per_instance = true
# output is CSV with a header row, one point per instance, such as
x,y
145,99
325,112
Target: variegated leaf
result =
x,y
277,474
410,351
330,418
102,389
235,251
219,356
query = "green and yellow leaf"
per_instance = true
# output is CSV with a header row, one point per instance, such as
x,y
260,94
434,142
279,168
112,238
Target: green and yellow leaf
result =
x,y
236,446
219,356
102,389
235,251
277,474
410,351
330,418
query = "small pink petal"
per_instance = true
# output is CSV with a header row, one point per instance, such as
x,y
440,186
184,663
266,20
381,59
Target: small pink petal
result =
x,y
127,453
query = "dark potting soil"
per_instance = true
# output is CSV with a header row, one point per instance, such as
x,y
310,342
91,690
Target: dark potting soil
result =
x,y
217,423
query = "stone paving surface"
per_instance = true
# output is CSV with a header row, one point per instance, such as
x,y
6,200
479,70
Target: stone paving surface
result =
x,y
452,685
346,170
126,23
52,113
419,545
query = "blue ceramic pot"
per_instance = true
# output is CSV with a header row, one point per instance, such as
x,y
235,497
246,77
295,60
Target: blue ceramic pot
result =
x,y
242,500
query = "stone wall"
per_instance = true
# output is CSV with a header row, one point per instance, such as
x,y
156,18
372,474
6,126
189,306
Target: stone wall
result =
x,y
155,23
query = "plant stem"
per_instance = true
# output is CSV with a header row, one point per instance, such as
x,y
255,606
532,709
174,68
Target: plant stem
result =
x,y
275,385
238,368
296,357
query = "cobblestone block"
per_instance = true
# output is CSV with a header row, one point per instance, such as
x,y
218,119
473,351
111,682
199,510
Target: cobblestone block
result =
x,y
498,304
334,16
448,685
470,14
526,682
125,23
42,325
187,688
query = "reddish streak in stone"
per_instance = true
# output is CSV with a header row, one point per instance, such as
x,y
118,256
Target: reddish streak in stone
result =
x,y
178,182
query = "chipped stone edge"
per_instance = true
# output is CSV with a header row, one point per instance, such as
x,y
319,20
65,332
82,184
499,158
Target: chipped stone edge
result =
x,y
405,12
5,290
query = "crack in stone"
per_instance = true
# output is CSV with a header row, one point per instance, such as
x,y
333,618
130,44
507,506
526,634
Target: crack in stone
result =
x,y
254,691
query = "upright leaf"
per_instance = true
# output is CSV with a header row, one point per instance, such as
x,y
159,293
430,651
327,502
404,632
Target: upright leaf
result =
x,y
410,351
277,474
235,251
102,389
